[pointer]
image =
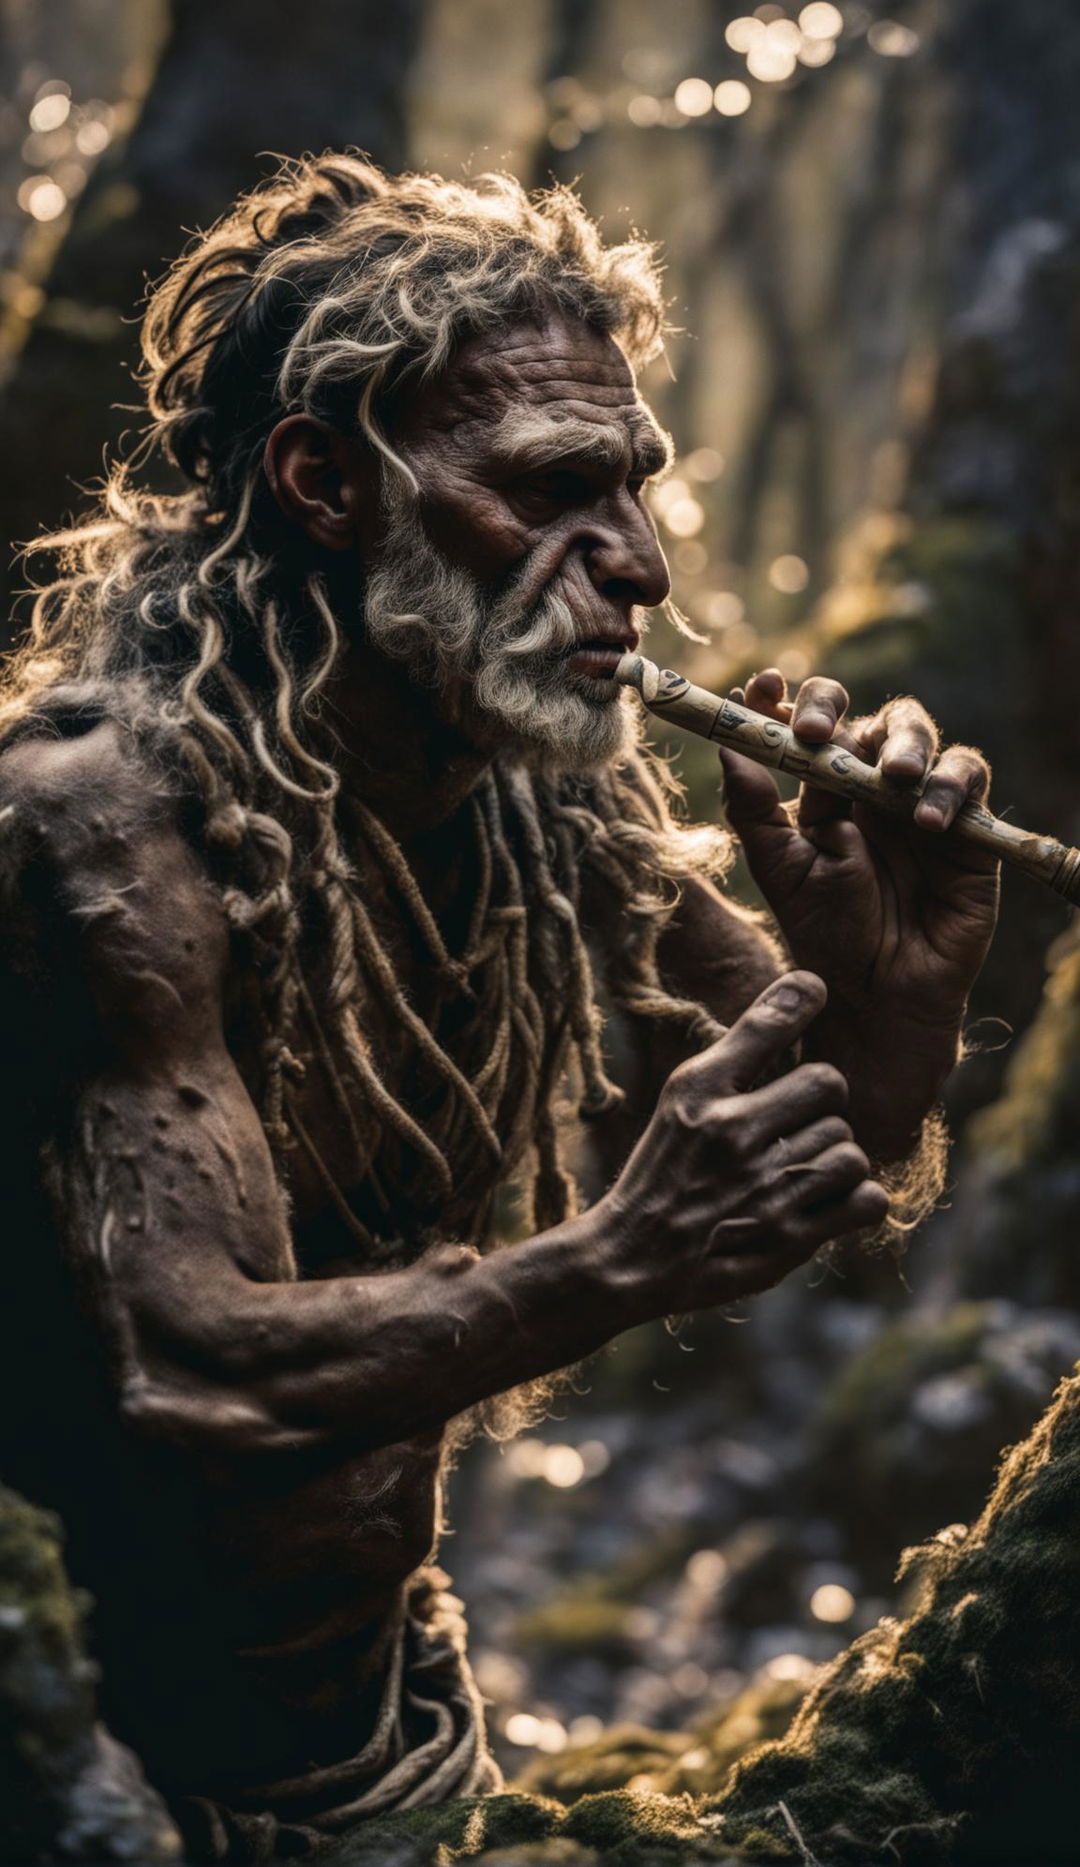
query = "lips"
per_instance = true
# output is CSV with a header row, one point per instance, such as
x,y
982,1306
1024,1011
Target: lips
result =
x,y
599,655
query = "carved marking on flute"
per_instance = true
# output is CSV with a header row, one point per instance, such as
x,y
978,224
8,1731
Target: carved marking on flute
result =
x,y
729,715
713,717
671,686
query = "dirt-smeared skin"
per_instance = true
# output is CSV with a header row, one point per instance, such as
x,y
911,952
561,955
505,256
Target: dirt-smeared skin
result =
x,y
274,1440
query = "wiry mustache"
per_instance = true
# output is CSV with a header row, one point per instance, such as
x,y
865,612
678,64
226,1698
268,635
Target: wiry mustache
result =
x,y
509,649
550,630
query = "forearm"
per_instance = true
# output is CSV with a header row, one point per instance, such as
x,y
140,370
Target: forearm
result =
x,y
376,1360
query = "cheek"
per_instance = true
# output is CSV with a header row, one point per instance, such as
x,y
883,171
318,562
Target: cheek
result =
x,y
476,531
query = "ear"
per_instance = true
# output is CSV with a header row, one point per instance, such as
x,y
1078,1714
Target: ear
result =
x,y
322,480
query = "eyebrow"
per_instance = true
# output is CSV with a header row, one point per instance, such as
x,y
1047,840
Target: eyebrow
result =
x,y
527,440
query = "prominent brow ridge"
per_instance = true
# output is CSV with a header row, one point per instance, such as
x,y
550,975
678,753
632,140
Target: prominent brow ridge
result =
x,y
526,443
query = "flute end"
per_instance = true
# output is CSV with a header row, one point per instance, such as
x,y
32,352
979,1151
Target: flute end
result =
x,y
638,671
1067,880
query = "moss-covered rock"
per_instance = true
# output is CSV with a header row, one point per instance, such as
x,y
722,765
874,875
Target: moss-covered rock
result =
x,y
594,1612
67,1789
954,1735
911,1430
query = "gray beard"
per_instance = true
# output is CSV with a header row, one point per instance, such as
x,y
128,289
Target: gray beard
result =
x,y
500,671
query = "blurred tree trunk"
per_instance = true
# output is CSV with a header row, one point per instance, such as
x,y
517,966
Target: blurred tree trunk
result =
x,y
236,79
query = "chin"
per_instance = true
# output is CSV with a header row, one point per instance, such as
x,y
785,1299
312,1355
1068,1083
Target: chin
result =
x,y
582,734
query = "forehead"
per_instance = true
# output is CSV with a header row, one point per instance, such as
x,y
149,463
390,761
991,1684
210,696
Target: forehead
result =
x,y
519,391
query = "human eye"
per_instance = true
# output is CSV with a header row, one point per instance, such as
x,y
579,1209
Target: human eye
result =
x,y
556,486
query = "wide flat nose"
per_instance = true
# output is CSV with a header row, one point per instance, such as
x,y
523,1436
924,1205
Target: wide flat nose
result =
x,y
626,563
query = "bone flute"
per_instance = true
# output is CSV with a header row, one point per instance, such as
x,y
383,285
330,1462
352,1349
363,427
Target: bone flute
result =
x,y
669,696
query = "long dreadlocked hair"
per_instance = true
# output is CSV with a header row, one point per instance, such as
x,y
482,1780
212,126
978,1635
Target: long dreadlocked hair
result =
x,y
189,616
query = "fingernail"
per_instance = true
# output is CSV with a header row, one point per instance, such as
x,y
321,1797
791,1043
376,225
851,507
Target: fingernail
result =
x,y
786,997
931,815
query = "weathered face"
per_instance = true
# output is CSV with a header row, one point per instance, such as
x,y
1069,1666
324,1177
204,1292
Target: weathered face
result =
x,y
527,562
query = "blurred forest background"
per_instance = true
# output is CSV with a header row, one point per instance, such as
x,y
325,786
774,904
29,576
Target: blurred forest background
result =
x,y
871,222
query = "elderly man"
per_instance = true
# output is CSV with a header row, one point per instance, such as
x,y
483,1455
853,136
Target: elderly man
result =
x,y
319,809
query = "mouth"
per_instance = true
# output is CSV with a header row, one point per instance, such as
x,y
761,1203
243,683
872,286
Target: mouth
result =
x,y
598,656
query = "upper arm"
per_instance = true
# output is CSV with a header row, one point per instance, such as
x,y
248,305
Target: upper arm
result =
x,y
159,1176
716,951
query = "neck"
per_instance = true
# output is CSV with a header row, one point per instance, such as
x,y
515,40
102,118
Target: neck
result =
x,y
401,755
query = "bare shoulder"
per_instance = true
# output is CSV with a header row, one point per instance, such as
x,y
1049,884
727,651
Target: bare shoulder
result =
x,y
59,788
101,883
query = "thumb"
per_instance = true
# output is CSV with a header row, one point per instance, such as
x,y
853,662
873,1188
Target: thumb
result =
x,y
754,810
774,1022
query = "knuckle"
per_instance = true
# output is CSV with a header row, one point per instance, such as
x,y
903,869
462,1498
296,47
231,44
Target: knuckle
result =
x,y
682,1104
821,687
687,1088
968,763
734,1133
851,1161
905,710
825,1080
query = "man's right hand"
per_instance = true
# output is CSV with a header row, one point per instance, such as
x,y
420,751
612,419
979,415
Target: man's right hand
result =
x,y
731,1185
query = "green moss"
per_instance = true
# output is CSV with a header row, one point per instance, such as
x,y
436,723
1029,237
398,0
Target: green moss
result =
x,y
954,1735
593,1613
65,1789
878,1383
612,1761
32,1578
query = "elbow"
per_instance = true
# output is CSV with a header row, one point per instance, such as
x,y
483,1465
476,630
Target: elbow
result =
x,y
203,1420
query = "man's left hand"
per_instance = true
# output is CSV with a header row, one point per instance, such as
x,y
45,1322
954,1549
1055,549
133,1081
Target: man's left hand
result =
x,y
896,917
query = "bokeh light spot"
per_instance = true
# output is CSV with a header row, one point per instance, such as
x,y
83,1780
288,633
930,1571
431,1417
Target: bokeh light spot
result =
x,y
91,138
789,574
691,557
684,518
705,463
706,1569
564,134
733,98
770,63
694,97
832,1602
41,198
50,112
891,40
790,1666
814,53
564,1467
743,32
821,20
644,110
724,609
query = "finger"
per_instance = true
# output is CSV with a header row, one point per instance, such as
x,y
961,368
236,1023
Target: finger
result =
x,y
780,1109
757,1041
820,705
961,776
905,740
830,1176
751,800
819,809
867,1204
793,1149
804,1233
767,693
